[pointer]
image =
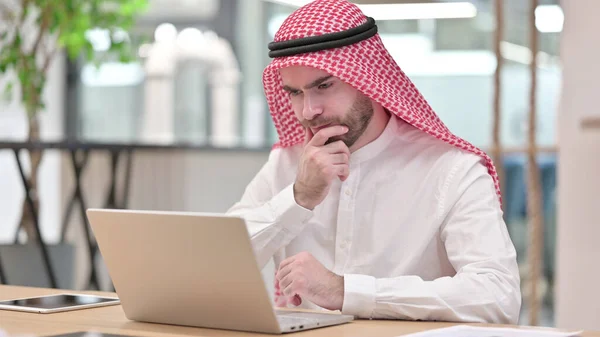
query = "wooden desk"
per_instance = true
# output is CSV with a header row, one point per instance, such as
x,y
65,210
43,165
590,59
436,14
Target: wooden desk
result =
x,y
112,320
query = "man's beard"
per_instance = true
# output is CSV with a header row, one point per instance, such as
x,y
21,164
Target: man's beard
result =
x,y
357,120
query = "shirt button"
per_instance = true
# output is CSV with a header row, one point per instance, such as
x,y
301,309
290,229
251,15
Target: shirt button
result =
x,y
348,192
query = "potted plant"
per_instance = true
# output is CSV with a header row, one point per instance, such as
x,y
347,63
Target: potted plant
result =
x,y
32,32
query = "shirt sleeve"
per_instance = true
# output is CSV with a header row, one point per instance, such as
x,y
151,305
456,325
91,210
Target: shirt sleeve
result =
x,y
273,219
486,286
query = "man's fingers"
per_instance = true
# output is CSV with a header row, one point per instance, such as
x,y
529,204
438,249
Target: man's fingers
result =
x,y
342,171
291,296
321,137
337,147
339,158
286,262
277,286
281,301
296,300
285,283
280,298
288,289
283,272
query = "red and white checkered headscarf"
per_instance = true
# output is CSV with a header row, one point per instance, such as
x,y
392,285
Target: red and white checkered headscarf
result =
x,y
366,65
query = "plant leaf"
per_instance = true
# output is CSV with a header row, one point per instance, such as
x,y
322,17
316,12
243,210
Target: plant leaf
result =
x,y
89,51
67,24
7,93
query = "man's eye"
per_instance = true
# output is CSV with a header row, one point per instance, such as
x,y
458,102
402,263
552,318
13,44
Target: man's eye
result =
x,y
295,92
324,85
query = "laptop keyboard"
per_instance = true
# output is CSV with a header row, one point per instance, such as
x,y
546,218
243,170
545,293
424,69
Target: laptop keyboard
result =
x,y
298,318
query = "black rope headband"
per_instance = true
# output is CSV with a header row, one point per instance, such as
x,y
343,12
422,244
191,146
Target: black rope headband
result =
x,y
325,41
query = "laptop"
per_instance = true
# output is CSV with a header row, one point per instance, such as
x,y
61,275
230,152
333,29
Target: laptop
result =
x,y
192,269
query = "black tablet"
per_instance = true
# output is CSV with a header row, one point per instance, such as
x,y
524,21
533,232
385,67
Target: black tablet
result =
x,y
88,334
57,303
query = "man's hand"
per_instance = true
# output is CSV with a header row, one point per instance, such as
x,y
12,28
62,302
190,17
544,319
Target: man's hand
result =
x,y
319,165
303,277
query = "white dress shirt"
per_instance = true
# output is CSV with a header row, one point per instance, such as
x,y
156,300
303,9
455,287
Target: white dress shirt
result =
x,y
416,230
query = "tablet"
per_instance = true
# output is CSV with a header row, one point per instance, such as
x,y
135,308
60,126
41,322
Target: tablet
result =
x,y
88,334
57,303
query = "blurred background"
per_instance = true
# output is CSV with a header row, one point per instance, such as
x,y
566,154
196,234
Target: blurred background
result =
x,y
184,126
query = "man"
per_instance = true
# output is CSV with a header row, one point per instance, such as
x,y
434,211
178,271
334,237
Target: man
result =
x,y
368,204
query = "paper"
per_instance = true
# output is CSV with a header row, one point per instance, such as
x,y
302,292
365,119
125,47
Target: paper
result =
x,y
476,331
5,334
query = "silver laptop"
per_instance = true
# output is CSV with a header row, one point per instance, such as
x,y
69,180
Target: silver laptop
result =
x,y
192,269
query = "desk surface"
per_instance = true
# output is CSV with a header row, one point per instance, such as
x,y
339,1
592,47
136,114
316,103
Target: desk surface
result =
x,y
112,320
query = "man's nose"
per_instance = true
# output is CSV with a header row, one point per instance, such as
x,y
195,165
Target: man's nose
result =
x,y
312,108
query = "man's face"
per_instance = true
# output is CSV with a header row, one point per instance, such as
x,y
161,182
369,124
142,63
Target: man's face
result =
x,y
320,100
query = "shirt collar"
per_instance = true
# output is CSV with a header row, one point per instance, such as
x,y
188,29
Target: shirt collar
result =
x,y
379,144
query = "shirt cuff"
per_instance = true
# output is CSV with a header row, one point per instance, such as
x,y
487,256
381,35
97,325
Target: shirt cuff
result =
x,y
359,295
287,212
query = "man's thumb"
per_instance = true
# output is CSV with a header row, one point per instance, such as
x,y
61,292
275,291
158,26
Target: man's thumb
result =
x,y
297,300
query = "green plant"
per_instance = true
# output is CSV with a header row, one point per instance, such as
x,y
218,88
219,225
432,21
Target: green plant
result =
x,y
32,32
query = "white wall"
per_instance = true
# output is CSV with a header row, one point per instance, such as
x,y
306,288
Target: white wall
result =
x,y
578,291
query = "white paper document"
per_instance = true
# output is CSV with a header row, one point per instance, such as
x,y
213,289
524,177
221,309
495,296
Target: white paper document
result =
x,y
475,331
